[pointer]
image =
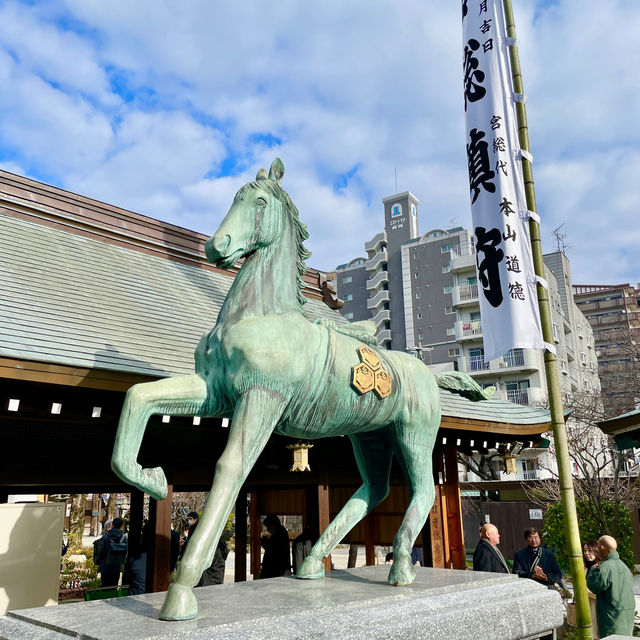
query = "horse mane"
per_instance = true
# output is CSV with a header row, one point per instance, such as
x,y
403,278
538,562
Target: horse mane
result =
x,y
300,229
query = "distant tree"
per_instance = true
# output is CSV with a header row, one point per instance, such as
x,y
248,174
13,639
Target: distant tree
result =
x,y
620,379
76,521
604,488
482,464
617,516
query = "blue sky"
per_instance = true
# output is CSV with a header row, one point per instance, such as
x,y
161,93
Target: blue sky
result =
x,y
167,108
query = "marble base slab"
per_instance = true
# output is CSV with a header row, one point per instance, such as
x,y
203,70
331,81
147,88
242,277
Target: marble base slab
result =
x,y
346,605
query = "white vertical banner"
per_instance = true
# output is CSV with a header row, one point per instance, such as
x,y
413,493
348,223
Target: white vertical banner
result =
x,y
506,277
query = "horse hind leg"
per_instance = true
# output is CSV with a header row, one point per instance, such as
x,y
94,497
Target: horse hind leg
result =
x,y
179,396
414,452
373,457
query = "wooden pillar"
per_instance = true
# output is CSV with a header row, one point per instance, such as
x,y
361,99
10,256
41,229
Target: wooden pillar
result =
x,y
157,578
438,539
256,529
324,518
454,509
96,501
369,541
240,566
136,505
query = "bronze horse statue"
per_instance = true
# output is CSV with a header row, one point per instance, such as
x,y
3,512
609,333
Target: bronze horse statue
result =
x,y
271,370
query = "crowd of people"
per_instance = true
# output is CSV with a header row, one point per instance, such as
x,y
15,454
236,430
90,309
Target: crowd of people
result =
x,y
117,555
607,576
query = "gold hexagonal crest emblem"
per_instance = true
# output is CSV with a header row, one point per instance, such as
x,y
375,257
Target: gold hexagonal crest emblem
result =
x,y
383,384
363,378
369,357
369,374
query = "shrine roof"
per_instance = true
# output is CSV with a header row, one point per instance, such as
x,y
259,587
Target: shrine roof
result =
x,y
492,416
84,284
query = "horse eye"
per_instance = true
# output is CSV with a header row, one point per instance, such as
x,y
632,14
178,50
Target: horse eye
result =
x,y
261,202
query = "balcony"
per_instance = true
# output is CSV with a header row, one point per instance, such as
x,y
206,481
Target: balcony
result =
x,y
473,364
533,474
380,298
463,257
382,316
518,396
465,295
384,336
376,243
468,330
375,263
378,280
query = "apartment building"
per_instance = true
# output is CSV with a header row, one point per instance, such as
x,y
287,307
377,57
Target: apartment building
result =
x,y
421,291
613,312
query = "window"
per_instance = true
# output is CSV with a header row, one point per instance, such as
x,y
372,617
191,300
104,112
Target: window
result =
x,y
447,289
583,357
417,294
449,310
347,280
451,332
419,316
348,296
396,210
416,275
446,247
554,328
474,316
348,316
454,352
420,336
446,268
413,210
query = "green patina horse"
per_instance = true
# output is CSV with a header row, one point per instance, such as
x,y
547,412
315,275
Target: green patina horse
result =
x,y
271,370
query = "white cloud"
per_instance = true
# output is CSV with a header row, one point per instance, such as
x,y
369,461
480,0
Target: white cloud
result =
x,y
336,89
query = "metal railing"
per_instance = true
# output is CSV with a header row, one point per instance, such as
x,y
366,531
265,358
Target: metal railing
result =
x,y
477,363
519,396
514,358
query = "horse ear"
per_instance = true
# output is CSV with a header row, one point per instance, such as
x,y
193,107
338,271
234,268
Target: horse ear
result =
x,y
262,174
277,170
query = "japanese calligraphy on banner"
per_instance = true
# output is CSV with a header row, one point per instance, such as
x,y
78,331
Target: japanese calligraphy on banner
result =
x,y
506,277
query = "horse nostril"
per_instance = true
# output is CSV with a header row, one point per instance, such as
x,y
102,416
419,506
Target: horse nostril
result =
x,y
222,244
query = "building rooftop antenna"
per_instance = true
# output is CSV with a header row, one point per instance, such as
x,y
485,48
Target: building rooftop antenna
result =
x,y
560,239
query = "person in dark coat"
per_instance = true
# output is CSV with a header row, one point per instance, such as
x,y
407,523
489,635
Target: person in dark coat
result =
x,y
301,547
111,562
612,583
487,556
276,561
135,571
535,562
214,574
590,556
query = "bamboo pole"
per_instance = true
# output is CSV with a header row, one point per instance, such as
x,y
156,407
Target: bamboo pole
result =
x,y
551,369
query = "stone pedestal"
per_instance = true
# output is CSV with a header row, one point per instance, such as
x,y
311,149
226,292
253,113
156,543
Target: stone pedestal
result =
x,y
357,603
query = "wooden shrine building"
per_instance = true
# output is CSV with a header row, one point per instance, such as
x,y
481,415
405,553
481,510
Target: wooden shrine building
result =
x,y
93,299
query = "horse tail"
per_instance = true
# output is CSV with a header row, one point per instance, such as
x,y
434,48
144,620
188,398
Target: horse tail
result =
x,y
464,385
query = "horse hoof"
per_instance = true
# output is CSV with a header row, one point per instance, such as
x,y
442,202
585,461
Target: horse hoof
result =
x,y
311,569
154,482
402,572
180,604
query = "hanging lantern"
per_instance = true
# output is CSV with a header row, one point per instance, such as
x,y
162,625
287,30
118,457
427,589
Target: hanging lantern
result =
x,y
510,464
300,456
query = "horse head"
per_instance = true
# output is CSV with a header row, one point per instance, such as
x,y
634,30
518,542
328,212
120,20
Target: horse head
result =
x,y
253,221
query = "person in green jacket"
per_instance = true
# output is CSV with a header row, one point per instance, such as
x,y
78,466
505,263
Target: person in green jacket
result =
x,y
612,583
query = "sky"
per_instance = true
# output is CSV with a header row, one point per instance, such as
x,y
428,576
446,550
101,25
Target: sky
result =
x,y
167,108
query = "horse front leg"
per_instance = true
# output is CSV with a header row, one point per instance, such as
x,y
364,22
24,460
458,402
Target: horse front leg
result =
x,y
254,419
179,396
